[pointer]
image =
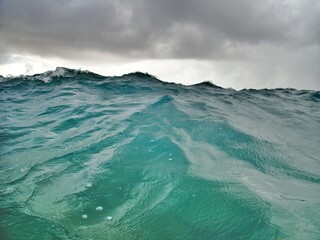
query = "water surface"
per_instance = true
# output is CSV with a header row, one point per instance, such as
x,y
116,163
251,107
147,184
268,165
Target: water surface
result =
x,y
84,156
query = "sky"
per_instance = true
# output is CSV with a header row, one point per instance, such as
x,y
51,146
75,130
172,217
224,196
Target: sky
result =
x,y
233,43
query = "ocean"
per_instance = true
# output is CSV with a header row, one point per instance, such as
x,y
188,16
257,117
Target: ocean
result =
x,y
84,156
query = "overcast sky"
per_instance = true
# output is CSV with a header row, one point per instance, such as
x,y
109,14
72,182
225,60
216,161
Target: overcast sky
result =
x,y
233,43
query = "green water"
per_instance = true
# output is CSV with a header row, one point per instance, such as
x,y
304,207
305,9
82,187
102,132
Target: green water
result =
x,y
89,157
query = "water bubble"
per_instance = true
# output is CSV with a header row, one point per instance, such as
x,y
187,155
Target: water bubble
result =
x,y
99,208
109,218
84,216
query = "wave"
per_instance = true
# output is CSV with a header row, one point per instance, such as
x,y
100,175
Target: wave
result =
x,y
132,156
63,72
59,72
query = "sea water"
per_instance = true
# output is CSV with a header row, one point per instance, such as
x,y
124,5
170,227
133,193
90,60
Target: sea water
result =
x,y
83,156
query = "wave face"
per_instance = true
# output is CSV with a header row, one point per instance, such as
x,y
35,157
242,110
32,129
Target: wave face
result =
x,y
85,156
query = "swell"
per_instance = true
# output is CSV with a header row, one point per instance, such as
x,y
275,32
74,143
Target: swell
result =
x,y
162,159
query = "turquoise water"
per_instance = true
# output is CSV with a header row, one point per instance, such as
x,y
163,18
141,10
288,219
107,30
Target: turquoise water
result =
x,y
90,157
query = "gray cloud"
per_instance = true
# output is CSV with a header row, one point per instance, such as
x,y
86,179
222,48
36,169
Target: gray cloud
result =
x,y
151,28
265,33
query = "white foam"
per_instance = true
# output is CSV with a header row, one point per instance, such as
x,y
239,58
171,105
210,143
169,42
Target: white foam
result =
x,y
109,218
84,216
7,190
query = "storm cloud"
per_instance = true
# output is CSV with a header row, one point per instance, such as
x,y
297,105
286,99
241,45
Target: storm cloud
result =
x,y
260,32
